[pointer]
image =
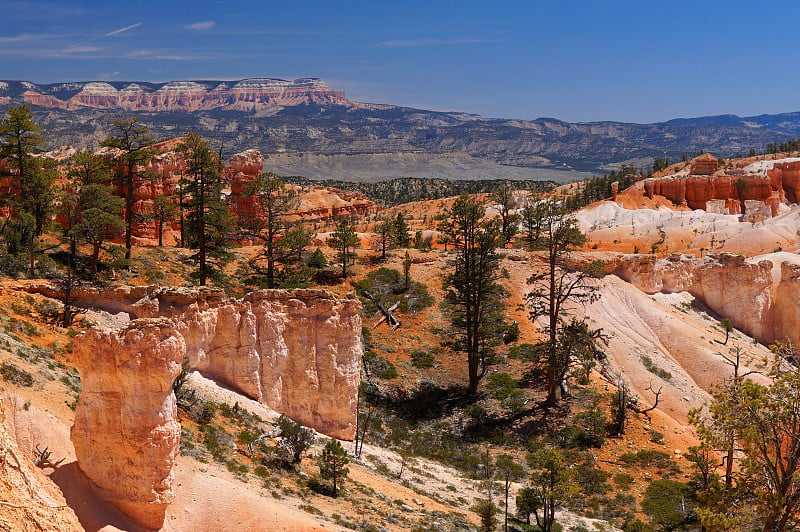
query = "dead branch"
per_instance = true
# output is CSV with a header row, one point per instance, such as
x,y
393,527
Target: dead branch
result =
x,y
644,411
42,459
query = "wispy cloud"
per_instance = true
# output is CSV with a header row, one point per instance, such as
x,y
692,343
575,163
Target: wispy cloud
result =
x,y
122,30
433,42
201,26
24,37
109,75
166,56
81,49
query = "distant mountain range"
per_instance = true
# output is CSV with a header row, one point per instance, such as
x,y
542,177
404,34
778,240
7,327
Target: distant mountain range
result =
x,y
305,128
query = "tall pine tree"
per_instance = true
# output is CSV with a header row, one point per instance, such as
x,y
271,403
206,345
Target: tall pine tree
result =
x,y
134,141
209,223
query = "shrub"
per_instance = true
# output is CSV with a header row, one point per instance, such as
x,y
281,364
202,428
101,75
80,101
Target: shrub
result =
x,y
422,359
388,287
624,481
668,503
650,366
15,375
295,440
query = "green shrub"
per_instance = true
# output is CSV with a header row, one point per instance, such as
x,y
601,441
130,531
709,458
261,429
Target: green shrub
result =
x,y
422,359
656,437
624,481
15,375
650,366
668,503
651,458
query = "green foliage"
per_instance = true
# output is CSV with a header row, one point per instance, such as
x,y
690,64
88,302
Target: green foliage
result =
x,y
487,511
592,480
388,287
668,503
552,483
555,290
651,458
473,293
344,240
208,220
623,481
11,373
295,439
134,141
588,429
318,260
400,232
20,137
655,370
333,465
509,221
422,359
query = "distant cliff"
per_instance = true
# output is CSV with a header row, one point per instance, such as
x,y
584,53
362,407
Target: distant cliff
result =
x,y
244,95
303,127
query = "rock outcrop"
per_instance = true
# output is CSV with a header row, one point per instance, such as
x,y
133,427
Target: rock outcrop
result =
x,y
312,203
755,294
29,501
696,192
125,434
297,351
704,164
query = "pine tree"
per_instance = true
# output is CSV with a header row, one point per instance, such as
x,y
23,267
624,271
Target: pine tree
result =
x,y
401,234
209,223
164,211
34,205
282,243
332,464
473,292
89,209
553,288
344,239
504,197
134,141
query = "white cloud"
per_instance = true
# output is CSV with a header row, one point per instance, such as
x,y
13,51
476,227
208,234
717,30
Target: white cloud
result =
x,y
155,54
201,26
121,30
81,49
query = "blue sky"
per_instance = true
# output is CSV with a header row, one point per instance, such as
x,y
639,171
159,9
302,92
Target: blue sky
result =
x,y
574,60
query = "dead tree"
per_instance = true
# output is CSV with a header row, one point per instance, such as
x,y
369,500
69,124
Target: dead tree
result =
x,y
42,459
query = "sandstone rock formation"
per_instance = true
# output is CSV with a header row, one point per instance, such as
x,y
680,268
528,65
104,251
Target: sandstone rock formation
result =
x,y
755,294
704,164
297,351
126,436
29,501
696,192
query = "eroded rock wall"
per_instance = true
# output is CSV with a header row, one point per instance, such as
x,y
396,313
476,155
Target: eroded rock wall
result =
x,y
297,351
758,295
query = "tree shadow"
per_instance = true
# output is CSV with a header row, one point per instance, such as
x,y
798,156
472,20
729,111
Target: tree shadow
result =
x,y
426,402
538,420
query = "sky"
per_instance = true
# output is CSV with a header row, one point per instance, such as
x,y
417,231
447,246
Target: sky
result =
x,y
643,61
